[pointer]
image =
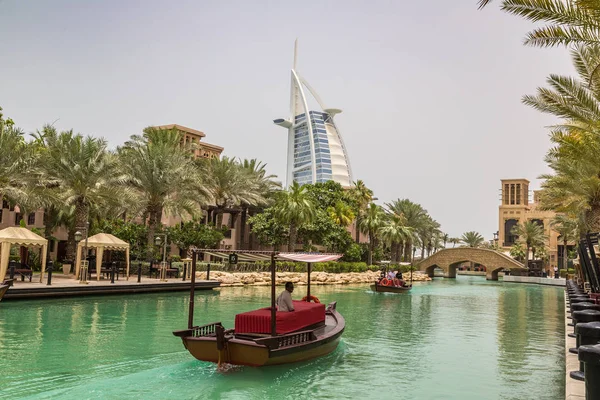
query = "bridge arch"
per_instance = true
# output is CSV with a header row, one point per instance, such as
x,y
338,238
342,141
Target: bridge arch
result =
x,y
450,259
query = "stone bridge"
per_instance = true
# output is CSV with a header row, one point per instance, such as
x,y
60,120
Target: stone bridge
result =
x,y
449,259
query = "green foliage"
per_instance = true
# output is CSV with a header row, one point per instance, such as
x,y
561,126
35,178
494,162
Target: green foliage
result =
x,y
472,239
571,271
354,252
517,251
194,233
290,266
130,232
563,273
269,230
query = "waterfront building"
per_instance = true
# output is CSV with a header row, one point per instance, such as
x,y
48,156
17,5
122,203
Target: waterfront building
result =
x,y
516,208
316,151
203,149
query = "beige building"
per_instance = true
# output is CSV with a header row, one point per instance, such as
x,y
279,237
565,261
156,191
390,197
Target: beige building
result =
x,y
515,208
204,150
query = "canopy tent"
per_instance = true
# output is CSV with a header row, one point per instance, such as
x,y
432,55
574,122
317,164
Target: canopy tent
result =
x,y
101,242
22,237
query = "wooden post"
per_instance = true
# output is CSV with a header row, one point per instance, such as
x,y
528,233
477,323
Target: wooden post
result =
x,y
191,315
273,314
308,267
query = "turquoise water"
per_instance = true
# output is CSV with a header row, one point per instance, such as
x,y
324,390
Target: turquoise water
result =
x,y
448,339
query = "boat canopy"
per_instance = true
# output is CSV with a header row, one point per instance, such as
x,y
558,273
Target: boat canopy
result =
x,y
252,256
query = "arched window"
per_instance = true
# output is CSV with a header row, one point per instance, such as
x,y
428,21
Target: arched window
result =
x,y
509,238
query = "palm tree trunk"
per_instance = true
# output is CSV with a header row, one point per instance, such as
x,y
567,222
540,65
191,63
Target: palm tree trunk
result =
x,y
242,244
592,218
565,256
370,252
155,213
357,231
527,257
293,238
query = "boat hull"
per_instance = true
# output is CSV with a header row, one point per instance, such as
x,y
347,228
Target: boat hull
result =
x,y
4,287
390,289
240,351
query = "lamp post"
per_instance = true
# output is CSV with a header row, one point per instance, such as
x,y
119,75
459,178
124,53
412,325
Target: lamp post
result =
x,y
84,263
496,238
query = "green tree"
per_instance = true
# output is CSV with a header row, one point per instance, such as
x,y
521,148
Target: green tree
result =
x,y
195,234
130,232
295,208
531,234
566,227
160,170
394,233
416,217
82,172
472,239
341,213
362,197
268,229
370,224
517,251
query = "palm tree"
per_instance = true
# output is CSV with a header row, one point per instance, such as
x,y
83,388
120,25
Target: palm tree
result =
x,y
341,213
160,169
83,173
416,218
395,232
566,227
454,241
231,185
570,22
263,183
294,208
370,224
531,234
363,196
427,232
17,165
445,238
472,239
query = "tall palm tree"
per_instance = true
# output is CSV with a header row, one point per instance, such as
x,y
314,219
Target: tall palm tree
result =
x,y
294,208
370,224
395,232
472,239
263,183
566,227
574,22
531,234
231,185
416,218
454,241
363,196
341,213
83,173
160,169
445,238
17,164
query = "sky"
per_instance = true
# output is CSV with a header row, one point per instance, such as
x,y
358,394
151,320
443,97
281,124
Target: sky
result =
x,y
430,90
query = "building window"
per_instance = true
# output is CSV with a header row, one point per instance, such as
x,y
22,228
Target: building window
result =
x,y
5,204
18,218
52,244
512,193
31,219
506,193
1,215
519,193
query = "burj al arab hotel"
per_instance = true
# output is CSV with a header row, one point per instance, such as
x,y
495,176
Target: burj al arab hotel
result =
x,y
316,151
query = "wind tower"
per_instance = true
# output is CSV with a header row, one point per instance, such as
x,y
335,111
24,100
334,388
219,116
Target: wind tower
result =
x,y
316,151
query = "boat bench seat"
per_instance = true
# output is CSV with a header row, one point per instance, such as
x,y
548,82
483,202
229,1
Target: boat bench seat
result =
x,y
259,321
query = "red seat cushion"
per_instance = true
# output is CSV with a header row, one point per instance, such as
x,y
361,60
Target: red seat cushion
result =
x,y
259,321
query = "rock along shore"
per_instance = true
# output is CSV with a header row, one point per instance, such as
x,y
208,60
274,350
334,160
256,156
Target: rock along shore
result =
x,y
299,278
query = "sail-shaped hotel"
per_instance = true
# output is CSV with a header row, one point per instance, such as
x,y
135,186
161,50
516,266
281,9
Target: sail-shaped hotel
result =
x,y
316,151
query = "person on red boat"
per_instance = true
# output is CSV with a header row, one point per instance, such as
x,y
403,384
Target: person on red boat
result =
x,y
284,301
399,277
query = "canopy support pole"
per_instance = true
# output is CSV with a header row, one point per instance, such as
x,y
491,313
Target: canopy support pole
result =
x,y
308,267
193,283
273,314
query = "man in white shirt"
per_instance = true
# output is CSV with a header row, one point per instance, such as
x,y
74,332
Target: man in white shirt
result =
x,y
284,301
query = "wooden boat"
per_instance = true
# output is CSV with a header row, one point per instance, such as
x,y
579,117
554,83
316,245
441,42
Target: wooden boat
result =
x,y
376,287
266,336
4,287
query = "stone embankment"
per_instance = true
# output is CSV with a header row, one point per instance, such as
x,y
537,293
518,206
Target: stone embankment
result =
x,y
299,278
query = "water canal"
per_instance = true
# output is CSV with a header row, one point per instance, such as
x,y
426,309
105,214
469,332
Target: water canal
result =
x,y
448,339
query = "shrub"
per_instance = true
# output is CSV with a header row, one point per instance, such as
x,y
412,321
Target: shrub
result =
x,y
563,273
353,253
571,271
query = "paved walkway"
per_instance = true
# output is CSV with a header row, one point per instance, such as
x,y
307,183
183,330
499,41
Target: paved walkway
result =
x,y
66,285
574,389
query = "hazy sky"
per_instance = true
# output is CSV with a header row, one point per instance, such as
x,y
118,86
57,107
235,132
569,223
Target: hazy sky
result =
x,y
431,90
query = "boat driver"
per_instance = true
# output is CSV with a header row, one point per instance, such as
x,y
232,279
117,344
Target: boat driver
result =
x,y
284,301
